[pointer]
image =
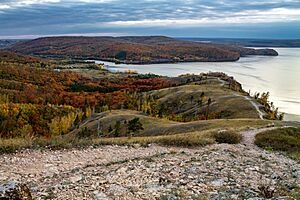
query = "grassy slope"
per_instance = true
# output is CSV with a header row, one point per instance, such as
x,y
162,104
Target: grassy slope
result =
x,y
286,140
163,131
155,126
223,99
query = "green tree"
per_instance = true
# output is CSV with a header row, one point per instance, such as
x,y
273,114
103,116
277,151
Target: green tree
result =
x,y
207,109
200,102
162,110
76,122
134,126
110,129
192,98
117,129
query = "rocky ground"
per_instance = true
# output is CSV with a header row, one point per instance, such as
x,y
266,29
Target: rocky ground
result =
x,y
220,171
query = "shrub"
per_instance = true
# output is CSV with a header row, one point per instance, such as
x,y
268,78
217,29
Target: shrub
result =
x,y
228,137
188,140
135,125
85,133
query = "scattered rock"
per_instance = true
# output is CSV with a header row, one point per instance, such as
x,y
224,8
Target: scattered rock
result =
x,y
219,171
14,191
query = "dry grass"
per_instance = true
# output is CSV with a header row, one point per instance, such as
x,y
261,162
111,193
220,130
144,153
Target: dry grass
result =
x,y
223,100
155,126
190,135
186,140
71,141
286,140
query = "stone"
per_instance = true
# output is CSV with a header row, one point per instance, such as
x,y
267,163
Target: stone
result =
x,y
171,197
214,195
75,179
100,196
15,191
217,183
117,189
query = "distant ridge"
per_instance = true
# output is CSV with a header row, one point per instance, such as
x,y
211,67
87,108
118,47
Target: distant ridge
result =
x,y
134,49
248,42
6,43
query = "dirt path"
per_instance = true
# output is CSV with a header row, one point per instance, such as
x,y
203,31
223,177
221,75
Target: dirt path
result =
x,y
254,104
222,82
249,136
260,113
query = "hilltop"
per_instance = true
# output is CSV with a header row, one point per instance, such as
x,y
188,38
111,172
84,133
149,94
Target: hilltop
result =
x,y
137,50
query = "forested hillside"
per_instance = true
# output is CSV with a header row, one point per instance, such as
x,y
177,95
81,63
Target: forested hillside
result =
x,y
140,50
35,99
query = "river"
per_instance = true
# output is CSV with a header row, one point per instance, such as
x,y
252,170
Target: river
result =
x,y
278,75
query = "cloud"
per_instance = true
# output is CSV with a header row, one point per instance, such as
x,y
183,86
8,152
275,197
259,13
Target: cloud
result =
x,y
23,3
70,34
10,4
249,16
35,17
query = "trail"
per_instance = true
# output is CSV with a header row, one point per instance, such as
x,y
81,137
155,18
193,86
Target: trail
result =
x,y
254,104
260,113
222,82
249,135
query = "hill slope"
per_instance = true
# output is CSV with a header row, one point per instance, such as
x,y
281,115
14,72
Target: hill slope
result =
x,y
139,50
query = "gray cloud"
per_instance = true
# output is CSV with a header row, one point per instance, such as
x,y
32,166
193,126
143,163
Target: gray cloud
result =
x,y
30,17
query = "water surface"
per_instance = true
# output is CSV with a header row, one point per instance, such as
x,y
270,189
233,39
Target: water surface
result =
x,y
278,75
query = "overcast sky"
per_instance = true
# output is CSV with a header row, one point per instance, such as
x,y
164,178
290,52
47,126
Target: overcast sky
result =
x,y
179,18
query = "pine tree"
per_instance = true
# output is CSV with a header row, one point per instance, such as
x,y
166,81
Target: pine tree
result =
x,y
117,128
207,109
110,129
134,126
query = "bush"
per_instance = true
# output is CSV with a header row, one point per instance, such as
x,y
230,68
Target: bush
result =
x,y
85,133
228,137
135,125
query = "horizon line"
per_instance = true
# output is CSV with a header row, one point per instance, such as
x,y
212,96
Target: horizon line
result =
x,y
31,37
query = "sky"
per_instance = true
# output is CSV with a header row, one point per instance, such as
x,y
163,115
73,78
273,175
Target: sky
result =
x,y
265,19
